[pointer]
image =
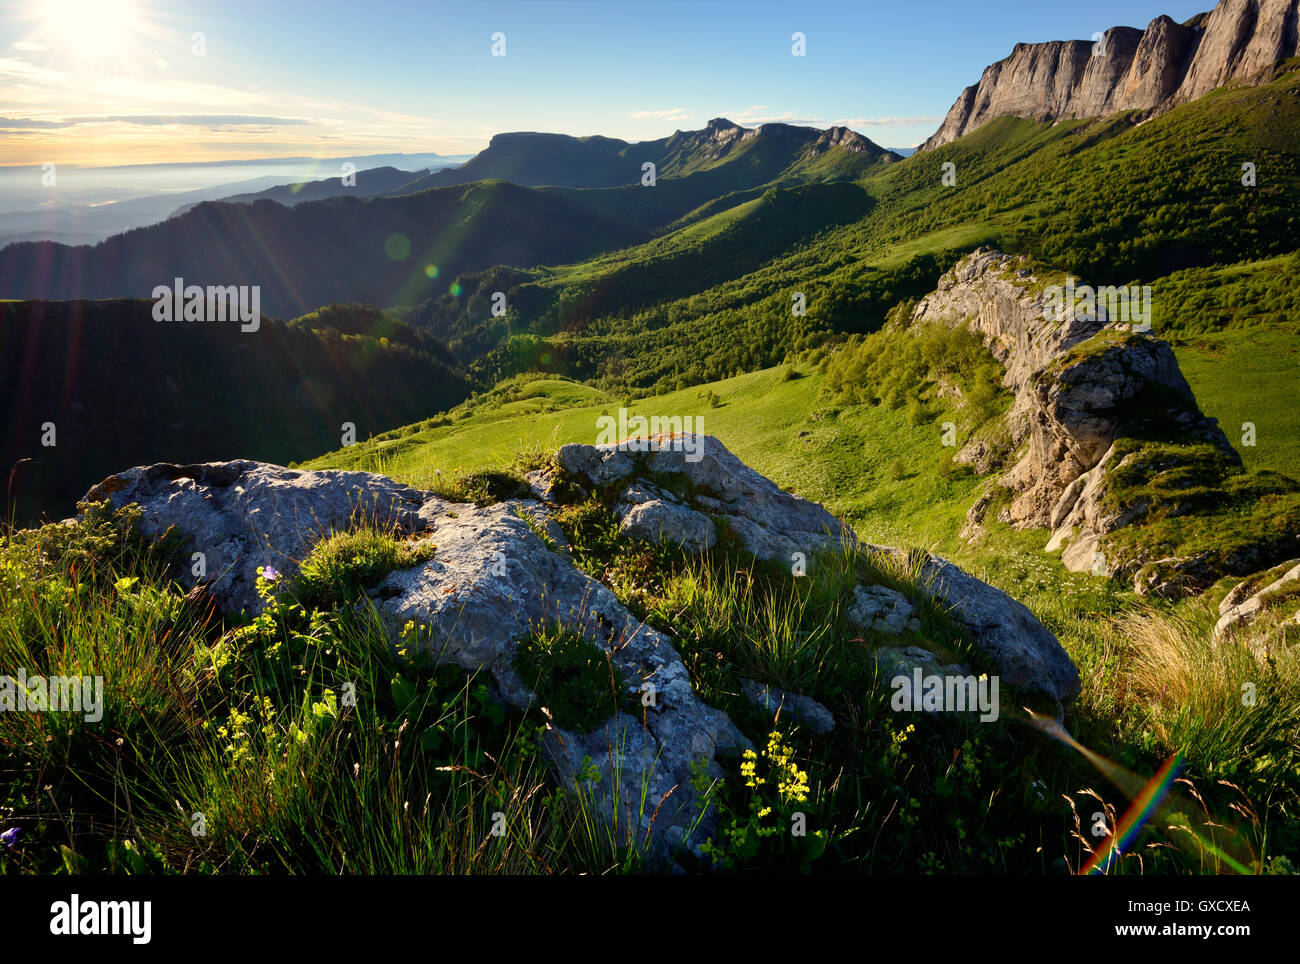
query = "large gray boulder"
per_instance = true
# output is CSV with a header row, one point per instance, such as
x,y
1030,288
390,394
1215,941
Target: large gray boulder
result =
x,y
491,581
244,515
767,521
1025,653
773,524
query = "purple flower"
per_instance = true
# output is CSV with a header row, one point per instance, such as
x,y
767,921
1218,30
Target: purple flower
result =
x,y
269,573
9,836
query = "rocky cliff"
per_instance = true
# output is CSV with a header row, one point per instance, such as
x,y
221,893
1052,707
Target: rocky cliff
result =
x,y
1147,70
1082,385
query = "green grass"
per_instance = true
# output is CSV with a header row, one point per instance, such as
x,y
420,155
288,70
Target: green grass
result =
x,y
572,676
844,459
301,741
343,565
1250,375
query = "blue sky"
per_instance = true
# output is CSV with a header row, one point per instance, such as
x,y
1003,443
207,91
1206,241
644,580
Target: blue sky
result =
x,y
115,81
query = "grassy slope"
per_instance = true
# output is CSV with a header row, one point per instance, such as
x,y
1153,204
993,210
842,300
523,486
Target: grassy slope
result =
x,y
1110,200
872,466
1250,375
846,458
844,461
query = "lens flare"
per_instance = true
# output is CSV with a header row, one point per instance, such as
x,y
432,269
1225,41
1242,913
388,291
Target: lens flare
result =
x,y
1151,803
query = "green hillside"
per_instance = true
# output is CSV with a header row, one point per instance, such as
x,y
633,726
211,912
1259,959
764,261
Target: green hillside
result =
x,y
874,465
121,389
1111,201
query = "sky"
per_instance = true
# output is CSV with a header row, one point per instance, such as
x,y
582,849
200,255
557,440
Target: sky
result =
x,y
104,82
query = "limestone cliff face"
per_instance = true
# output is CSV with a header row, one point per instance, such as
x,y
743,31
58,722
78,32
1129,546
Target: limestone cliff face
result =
x,y
1075,380
1147,70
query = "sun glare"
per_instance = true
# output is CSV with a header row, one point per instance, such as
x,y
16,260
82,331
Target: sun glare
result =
x,y
90,28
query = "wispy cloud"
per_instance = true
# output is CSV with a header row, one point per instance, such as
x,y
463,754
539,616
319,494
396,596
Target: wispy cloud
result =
x,y
889,121
673,113
29,45
214,121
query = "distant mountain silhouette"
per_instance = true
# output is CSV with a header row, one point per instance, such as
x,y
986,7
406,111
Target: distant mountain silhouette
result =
x,y
407,246
559,160
379,180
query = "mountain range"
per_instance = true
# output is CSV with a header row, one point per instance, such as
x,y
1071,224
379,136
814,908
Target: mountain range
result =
x,y
1149,70
93,204
639,288
485,213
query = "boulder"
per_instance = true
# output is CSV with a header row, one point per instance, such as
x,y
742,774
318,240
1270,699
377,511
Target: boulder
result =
x,y
767,522
491,582
1025,653
773,524
895,661
650,515
881,609
802,709
1249,600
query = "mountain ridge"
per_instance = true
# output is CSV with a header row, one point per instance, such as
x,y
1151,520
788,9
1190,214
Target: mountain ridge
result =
x,y
1151,70
597,161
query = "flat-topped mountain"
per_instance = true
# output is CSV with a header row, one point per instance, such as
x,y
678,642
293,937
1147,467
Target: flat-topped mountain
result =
x,y
560,160
1148,70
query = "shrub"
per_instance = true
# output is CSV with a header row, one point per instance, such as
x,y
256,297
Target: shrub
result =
x,y
343,566
484,488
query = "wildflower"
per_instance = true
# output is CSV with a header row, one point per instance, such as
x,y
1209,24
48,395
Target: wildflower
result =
x,y
9,836
269,573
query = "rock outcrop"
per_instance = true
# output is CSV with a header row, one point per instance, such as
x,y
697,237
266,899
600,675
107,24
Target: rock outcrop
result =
x,y
782,703
500,572
1077,379
772,524
766,521
882,609
491,582
1247,609
1148,70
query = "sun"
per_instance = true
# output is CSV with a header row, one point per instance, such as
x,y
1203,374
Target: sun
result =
x,y
90,28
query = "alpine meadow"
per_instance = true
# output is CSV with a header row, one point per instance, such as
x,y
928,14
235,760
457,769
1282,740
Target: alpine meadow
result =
x,y
686,490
